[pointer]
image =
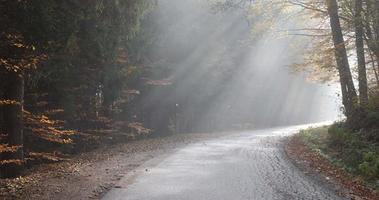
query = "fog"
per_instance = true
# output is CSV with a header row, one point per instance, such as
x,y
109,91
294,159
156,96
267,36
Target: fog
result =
x,y
225,73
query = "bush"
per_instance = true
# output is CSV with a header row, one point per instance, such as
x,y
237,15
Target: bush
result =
x,y
370,166
373,136
352,150
339,136
348,146
371,120
372,111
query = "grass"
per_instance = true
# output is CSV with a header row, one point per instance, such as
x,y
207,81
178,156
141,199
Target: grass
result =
x,y
351,151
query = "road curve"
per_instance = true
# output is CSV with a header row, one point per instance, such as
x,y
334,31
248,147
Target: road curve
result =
x,y
246,165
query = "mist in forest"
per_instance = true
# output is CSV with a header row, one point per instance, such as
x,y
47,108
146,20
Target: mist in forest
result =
x,y
225,75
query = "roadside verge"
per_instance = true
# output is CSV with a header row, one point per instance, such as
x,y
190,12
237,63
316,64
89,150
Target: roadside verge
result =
x,y
302,151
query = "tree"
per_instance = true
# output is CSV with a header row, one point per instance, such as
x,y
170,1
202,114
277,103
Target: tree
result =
x,y
60,56
349,95
13,123
16,57
372,26
362,76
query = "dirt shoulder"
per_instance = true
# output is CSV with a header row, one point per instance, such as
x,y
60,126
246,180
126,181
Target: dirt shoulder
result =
x,y
314,164
89,175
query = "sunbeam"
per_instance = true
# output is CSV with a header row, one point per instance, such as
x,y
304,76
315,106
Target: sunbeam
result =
x,y
224,76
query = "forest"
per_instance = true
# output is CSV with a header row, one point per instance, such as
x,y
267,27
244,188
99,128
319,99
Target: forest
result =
x,y
78,75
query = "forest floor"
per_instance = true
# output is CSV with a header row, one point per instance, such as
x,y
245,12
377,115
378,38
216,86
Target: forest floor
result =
x,y
313,163
89,175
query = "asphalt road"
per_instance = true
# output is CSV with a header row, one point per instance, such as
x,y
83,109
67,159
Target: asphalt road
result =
x,y
246,165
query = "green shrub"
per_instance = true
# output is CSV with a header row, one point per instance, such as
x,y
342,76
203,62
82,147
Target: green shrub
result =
x,y
371,120
373,136
315,137
348,146
355,151
370,166
338,136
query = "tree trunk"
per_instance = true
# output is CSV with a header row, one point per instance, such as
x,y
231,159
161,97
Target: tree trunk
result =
x,y
349,95
374,68
376,26
362,76
376,30
13,123
372,26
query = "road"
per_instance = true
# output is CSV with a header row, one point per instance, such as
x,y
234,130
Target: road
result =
x,y
246,165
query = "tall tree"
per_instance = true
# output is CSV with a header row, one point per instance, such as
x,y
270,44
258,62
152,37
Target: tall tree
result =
x,y
371,26
13,123
349,95
362,76
80,43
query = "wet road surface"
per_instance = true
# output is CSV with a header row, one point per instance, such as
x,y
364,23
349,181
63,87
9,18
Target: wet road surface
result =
x,y
247,165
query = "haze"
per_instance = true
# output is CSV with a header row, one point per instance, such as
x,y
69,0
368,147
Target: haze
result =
x,y
225,76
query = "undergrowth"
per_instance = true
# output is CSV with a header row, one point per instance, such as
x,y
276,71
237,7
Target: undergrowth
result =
x,y
353,151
